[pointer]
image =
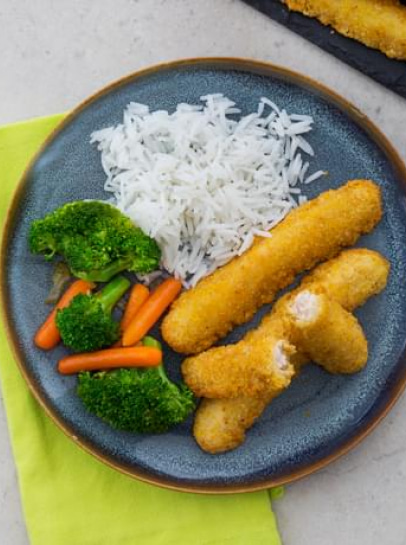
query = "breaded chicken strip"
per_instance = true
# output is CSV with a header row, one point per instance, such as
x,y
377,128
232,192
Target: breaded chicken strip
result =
x,y
231,295
327,333
321,330
253,369
380,24
350,279
220,424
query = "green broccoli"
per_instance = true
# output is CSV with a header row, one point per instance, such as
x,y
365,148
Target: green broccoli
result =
x,y
96,240
86,324
137,400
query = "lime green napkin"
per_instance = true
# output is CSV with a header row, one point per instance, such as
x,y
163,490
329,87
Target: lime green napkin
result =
x,y
70,497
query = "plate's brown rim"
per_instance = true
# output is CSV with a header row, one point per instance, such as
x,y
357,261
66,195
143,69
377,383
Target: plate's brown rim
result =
x,y
248,65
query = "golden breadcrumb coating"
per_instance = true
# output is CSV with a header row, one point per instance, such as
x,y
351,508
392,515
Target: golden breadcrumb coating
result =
x,y
230,296
332,338
350,279
327,333
220,424
242,369
380,24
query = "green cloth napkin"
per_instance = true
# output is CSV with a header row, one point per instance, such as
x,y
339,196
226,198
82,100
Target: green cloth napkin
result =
x,y
68,496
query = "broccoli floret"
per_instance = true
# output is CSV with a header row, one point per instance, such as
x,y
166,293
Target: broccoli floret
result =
x,y
96,240
86,324
136,400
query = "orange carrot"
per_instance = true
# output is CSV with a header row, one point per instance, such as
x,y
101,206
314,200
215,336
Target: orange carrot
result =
x,y
138,295
48,336
135,356
151,311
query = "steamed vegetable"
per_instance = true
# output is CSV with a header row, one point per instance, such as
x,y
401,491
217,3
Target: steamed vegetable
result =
x,y
96,240
151,311
87,324
139,294
137,400
60,278
135,356
48,335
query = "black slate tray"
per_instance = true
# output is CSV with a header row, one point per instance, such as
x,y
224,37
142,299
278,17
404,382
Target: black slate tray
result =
x,y
388,72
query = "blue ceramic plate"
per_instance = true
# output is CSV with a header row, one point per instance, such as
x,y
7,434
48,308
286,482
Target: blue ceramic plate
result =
x,y
320,416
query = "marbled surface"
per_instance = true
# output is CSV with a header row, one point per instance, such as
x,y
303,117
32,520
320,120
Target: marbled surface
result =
x,y
359,500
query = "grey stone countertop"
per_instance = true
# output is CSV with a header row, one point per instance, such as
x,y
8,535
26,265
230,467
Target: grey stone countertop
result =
x,y
54,55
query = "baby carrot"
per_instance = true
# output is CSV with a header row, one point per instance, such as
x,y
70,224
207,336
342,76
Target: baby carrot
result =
x,y
151,311
48,336
138,295
135,356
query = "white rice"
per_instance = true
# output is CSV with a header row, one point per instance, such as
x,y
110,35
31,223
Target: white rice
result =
x,y
204,182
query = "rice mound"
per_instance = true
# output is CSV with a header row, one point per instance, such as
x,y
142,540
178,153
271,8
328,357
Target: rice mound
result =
x,y
204,181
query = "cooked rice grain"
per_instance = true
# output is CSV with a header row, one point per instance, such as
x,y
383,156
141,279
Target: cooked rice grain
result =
x,y
202,181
